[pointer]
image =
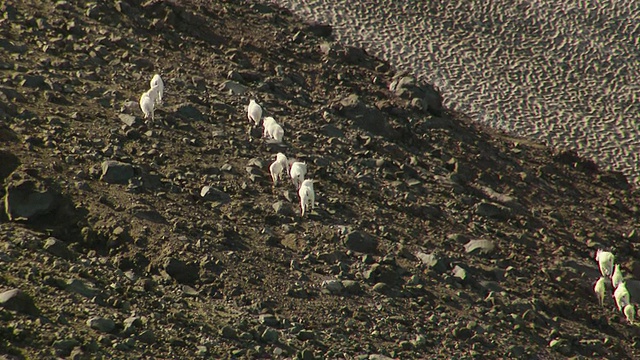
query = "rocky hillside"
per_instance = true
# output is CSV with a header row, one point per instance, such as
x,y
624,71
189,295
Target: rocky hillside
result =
x,y
431,237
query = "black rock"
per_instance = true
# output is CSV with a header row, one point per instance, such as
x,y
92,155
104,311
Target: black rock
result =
x,y
360,242
180,271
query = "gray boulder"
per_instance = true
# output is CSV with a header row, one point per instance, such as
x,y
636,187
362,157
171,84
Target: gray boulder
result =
x,y
425,95
27,199
116,172
19,301
366,117
360,242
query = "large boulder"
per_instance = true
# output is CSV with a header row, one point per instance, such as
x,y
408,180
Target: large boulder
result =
x,y
424,94
8,163
116,172
27,199
360,241
366,117
18,301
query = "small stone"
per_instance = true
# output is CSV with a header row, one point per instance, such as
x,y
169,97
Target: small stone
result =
x,y
209,193
115,172
516,351
459,273
190,112
228,332
233,87
479,246
180,271
66,345
492,210
270,335
351,287
431,261
147,337
202,350
561,345
306,335
131,324
420,341
333,286
282,208
360,242
462,333
101,324
57,248
80,287
128,120
306,355
380,287
268,319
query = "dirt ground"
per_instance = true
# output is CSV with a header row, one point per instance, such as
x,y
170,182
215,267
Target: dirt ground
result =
x,y
431,236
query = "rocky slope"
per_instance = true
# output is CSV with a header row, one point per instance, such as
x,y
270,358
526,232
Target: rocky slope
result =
x,y
431,237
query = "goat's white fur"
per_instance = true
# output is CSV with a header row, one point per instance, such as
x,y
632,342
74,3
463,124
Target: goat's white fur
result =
x,y
600,290
297,173
278,167
283,159
605,262
277,132
630,313
621,295
307,197
254,112
617,277
266,125
147,102
272,129
156,80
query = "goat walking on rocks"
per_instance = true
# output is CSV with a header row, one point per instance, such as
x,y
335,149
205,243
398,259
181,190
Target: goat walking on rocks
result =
x,y
621,295
272,129
616,278
297,172
605,262
156,81
600,290
147,102
630,313
307,197
279,166
254,112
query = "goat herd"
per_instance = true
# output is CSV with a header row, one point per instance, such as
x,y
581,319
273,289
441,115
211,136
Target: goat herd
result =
x,y
272,130
611,271
297,170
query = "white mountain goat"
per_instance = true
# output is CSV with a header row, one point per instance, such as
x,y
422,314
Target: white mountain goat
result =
x,y
600,290
283,159
156,80
616,278
605,262
307,197
254,112
297,173
268,121
277,132
147,102
279,166
272,129
621,295
630,313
